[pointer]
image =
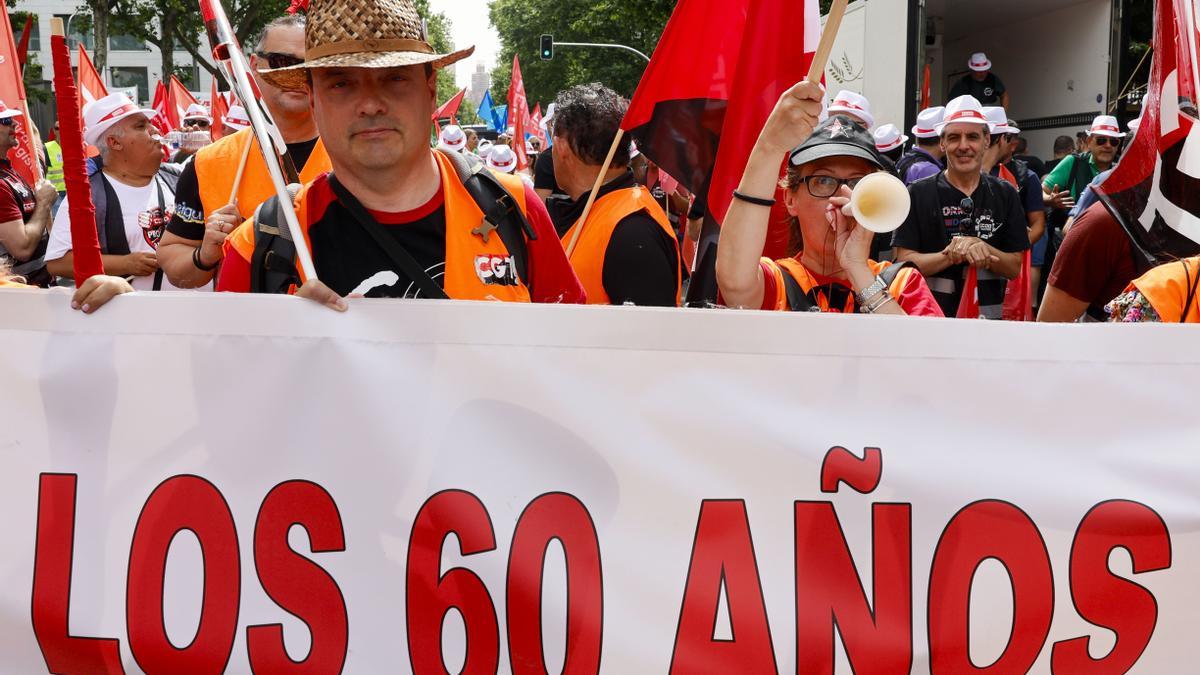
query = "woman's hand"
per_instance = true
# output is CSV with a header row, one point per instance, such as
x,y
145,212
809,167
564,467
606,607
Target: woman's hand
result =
x,y
793,119
852,242
98,290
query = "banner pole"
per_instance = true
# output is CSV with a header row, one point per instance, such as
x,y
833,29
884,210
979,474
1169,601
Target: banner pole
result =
x,y
595,188
833,24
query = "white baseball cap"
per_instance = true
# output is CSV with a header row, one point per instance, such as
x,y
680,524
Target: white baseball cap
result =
x,y
998,121
853,104
927,121
197,111
7,112
964,109
502,159
888,137
237,118
484,148
979,63
101,114
1106,125
453,138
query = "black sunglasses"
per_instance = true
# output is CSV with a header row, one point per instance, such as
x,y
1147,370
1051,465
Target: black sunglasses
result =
x,y
7,122
1106,140
280,60
202,124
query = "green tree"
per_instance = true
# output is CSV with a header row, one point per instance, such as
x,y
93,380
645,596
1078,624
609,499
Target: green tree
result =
x,y
520,24
438,27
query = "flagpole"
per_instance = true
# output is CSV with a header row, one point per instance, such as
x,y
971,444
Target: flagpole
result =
x,y
595,188
833,23
237,179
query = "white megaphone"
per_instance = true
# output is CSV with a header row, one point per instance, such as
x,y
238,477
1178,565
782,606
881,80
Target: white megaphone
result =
x,y
880,202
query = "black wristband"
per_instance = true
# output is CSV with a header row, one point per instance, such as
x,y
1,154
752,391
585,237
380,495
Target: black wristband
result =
x,y
757,201
200,265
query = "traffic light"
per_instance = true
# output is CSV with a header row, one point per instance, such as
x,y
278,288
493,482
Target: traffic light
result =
x,y
547,47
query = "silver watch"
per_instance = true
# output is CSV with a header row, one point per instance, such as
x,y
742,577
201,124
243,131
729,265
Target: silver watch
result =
x,y
871,291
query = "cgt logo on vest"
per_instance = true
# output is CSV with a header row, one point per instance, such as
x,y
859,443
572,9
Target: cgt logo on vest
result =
x,y
496,270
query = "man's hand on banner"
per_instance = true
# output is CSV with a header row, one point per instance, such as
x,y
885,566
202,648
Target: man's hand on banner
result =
x,y
314,290
794,117
98,290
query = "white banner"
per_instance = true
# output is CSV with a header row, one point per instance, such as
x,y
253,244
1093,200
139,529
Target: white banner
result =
x,y
198,483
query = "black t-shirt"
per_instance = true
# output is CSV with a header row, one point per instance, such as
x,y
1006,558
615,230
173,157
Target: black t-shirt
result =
x,y
641,261
937,214
988,91
543,173
1036,165
187,221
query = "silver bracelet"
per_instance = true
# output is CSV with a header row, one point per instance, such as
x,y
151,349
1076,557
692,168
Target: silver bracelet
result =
x,y
874,306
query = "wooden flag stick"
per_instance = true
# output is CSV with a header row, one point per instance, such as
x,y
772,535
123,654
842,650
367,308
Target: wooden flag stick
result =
x,y
833,23
595,189
237,179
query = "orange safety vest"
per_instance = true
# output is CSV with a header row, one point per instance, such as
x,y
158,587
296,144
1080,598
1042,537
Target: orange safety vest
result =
x,y
1168,287
217,164
471,262
796,270
607,211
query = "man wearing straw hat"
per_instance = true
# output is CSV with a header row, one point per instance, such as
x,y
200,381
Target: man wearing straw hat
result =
x,y
214,196
395,218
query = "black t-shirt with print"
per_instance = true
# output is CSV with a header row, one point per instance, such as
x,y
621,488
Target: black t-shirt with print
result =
x,y
988,92
996,216
187,221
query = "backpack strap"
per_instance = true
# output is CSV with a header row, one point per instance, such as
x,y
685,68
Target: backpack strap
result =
x,y
1080,176
796,298
273,266
892,271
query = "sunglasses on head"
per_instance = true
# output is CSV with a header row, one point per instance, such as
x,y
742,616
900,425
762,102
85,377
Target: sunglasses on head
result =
x,y
1106,140
279,59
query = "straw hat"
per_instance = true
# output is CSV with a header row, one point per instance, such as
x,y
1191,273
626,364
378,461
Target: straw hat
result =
x,y
353,34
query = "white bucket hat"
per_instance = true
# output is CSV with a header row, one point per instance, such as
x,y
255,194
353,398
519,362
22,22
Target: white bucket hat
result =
x,y
979,63
237,118
964,109
502,159
927,121
453,138
100,115
888,137
484,148
7,112
1106,125
853,104
197,111
998,121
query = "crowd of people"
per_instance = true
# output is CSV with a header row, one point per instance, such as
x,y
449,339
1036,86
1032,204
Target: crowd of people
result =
x,y
385,212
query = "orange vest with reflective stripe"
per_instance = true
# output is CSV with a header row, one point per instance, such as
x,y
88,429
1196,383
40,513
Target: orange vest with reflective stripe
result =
x,y
796,270
217,164
607,211
1167,288
471,262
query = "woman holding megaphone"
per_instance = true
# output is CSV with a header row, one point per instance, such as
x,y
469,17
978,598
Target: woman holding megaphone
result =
x,y
838,196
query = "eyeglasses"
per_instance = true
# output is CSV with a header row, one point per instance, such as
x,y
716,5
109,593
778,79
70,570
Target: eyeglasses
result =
x,y
7,122
822,187
280,60
1106,140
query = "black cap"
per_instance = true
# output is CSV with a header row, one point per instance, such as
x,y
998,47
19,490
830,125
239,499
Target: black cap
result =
x,y
838,136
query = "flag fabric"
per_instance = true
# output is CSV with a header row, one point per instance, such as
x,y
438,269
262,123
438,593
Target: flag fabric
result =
x,y
23,46
450,108
926,90
91,85
487,110
536,130
1154,192
12,93
719,68
218,108
500,119
179,99
518,113
166,117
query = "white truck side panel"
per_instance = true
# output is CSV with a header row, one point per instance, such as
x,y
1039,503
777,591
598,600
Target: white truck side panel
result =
x,y
870,56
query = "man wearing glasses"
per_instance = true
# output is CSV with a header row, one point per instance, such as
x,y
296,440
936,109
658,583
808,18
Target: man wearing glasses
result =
x,y
962,218
192,247
1071,176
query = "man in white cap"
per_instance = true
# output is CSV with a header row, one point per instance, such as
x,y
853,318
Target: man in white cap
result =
x,y
999,162
196,118
962,218
134,193
981,83
25,211
854,105
925,158
1070,177
192,248
396,218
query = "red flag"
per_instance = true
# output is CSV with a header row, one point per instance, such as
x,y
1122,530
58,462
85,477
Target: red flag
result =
x,y
220,108
518,113
23,47
926,91
165,118
179,98
450,108
1154,192
91,85
12,93
535,124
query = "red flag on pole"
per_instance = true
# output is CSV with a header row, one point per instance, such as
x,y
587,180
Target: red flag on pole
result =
x,y
518,113
926,91
12,93
450,108
85,244
23,47
165,118
91,85
179,98
219,108
535,124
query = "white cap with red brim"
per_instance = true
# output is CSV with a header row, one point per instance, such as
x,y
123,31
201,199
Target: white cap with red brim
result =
x,y
998,121
237,118
99,116
197,111
927,121
854,104
979,63
888,138
502,159
1106,125
963,110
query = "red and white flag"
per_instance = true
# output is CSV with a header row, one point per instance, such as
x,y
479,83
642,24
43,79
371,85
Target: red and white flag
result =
x,y
450,108
91,85
165,118
219,108
179,99
535,124
12,94
518,113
